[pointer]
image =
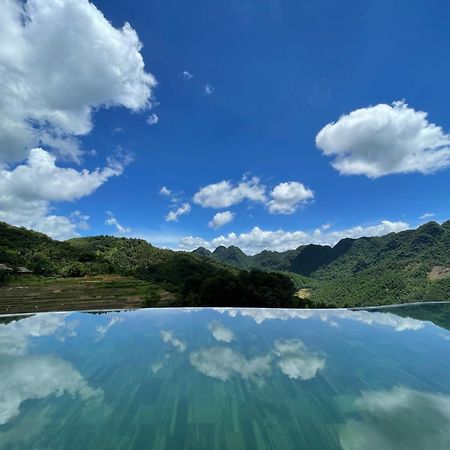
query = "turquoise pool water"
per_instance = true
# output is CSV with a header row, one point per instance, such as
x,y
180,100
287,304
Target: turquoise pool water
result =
x,y
227,379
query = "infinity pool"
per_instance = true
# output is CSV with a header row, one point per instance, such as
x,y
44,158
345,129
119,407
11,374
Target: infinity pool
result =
x,y
227,379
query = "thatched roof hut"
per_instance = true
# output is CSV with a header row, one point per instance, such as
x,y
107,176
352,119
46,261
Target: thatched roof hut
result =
x,y
5,268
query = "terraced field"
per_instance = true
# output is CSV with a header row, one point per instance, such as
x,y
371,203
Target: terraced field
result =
x,y
64,294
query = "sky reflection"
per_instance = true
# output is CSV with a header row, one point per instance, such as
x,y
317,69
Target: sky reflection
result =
x,y
378,379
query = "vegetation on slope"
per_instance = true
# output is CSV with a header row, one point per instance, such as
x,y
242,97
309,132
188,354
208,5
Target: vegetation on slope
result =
x,y
409,266
191,280
390,269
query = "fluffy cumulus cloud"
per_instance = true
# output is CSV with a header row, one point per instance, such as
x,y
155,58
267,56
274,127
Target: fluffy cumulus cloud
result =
x,y
25,377
220,332
291,357
168,337
257,239
39,178
220,219
15,336
284,198
59,61
27,190
296,361
225,194
36,377
385,139
222,363
173,216
287,197
425,415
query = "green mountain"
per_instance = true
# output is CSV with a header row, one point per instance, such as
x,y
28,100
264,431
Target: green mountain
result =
x,y
194,280
266,260
412,265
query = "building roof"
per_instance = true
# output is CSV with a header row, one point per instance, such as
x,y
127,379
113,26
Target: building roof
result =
x,y
23,270
5,268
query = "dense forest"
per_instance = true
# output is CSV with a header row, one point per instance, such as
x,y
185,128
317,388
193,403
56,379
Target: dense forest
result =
x,y
401,267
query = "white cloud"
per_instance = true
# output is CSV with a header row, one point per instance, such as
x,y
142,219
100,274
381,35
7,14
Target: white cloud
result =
x,y
174,197
224,194
27,190
220,219
25,378
185,208
385,139
152,119
169,338
80,220
187,75
103,329
427,216
222,363
260,315
165,192
37,216
220,332
424,420
258,239
189,243
60,61
296,361
112,221
208,89
287,197
380,318
40,179
15,336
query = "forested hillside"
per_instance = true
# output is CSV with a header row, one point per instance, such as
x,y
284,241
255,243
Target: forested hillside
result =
x,y
409,266
412,265
192,280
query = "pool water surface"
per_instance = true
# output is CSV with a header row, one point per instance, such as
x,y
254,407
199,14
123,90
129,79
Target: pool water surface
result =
x,y
227,379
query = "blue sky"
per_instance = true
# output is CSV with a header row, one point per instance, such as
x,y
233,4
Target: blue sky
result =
x,y
277,73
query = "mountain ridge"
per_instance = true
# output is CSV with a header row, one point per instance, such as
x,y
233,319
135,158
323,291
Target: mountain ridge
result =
x,y
394,268
412,265
299,260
